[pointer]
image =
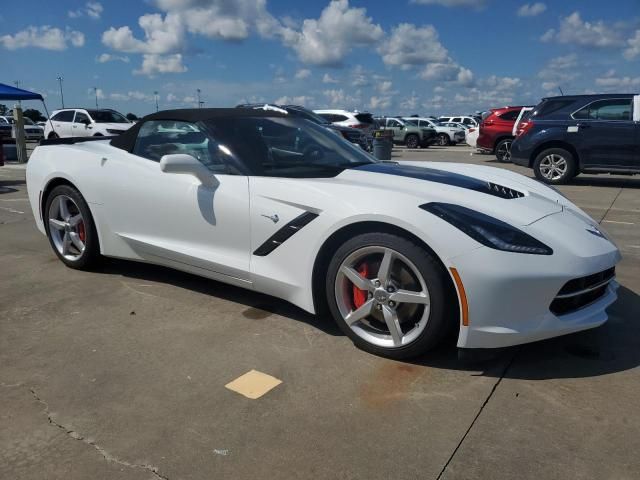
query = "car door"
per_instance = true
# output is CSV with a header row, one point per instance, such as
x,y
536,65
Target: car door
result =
x,y
397,128
79,127
61,123
173,219
607,134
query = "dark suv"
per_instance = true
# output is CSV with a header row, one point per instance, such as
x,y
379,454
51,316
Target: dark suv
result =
x,y
565,136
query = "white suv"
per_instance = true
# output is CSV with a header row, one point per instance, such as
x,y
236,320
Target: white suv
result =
x,y
80,122
470,121
362,120
444,135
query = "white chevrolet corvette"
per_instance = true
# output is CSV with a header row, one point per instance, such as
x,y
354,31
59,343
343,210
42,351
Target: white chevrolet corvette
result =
x,y
400,252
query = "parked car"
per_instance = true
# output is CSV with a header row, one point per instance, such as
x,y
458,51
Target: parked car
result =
x,y
408,134
524,114
361,120
569,135
5,128
32,131
401,253
80,122
496,132
354,135
472,136
445,134
467,120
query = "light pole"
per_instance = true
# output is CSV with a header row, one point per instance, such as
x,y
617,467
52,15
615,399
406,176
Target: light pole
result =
x,y
95,91
17,84
199,102
61,94
155,94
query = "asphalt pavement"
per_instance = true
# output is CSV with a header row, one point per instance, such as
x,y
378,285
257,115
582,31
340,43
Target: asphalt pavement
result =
x,y
121,374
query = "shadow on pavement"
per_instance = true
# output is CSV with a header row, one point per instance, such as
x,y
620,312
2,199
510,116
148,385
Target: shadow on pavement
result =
x,y
259,305
613,347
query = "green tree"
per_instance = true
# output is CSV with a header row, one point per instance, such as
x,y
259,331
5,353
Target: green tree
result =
x,y
33,114
3,109
131,116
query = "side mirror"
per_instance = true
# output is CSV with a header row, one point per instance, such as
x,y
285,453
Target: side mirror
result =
x,y
186,164
86,122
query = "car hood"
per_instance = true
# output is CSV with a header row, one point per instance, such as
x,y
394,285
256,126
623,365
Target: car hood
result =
x,y
513,198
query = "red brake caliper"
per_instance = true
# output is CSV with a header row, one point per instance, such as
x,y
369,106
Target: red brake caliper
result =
x,y
360,296
81,232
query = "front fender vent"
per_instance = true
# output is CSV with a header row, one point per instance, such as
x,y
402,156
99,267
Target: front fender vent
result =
x,y
503,192
282,235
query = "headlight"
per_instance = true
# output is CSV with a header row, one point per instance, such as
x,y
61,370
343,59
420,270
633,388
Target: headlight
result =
x,y
487,230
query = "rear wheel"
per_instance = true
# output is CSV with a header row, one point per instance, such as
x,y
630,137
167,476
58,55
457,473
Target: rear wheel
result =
x,y
70,228
412,141
443,139
555,166
389,295
503,150
53,135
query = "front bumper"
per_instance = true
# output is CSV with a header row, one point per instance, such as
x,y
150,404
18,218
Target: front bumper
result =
x,y
509,295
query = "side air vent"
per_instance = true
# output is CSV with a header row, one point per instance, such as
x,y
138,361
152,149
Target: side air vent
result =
x,y
503,192
286,232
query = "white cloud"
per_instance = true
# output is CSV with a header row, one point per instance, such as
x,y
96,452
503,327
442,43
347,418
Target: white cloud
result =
x,y
107,57
359,76
558,72
91,93
452,3
302,74
46,37
328,40
91,9
531,9
564,61
328,79
410,45
171,97
448,72
379,103
611,82
573,30
162,35
634,47
385,86
153,64
302,100
411,102
337,98
502,83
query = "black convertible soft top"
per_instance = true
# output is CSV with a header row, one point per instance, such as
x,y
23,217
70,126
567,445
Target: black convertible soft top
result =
x,y
127,140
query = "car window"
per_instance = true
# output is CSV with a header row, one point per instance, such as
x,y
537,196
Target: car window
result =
x,y
107,116
457,119
286,147
548,107
468,121
415,123
364,117
339,118
81,118
65,116
611,109
393,123
510,115
157,138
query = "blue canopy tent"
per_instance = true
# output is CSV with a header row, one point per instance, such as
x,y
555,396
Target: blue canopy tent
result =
x,y
8,92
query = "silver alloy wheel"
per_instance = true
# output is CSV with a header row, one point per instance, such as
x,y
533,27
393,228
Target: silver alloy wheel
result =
x,y
504,152
553,166
397,305
66,227
443,140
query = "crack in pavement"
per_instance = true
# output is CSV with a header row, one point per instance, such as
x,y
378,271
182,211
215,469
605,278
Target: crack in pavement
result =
x,y
475,419
611,206
106,455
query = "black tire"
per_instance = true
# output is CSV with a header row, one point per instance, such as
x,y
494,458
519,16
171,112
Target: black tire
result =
x,y
541,160
53,135
412,140
98,135
443,316
503,150
443,139
91,255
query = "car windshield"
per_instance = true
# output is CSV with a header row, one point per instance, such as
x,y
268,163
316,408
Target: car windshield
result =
x,y
107,116
286,147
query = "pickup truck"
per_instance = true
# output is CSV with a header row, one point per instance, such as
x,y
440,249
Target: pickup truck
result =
x,y
573,134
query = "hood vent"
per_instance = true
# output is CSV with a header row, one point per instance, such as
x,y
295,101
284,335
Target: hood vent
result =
x,y
503,192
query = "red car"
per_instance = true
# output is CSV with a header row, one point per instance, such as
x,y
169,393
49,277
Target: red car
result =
x,y
496,132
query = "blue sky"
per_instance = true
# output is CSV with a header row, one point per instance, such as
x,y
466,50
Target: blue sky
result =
x,y
393,57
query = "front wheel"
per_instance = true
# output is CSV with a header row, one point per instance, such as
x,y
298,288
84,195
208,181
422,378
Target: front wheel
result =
x,y
70,228
389,295
555,166
443,139
503,150
412,141
53,135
